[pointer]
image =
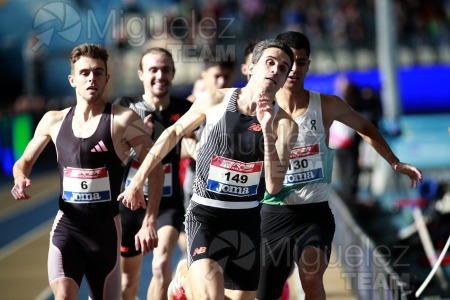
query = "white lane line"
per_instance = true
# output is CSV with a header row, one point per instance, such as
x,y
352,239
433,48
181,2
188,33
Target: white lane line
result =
x,y
41,184
45,294
26,238
42,196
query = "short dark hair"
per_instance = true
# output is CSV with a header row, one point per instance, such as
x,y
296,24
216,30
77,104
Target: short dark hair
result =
x,y
225,64
271,43
296,40
157,50
249,48
89,50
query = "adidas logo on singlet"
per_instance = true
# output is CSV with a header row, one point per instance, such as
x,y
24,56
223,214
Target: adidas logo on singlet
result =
x,y
100,147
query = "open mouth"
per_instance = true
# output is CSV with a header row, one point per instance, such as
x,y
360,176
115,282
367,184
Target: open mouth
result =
x,y
272,80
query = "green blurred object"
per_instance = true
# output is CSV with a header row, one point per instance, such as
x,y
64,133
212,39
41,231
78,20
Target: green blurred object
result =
x,y
22,126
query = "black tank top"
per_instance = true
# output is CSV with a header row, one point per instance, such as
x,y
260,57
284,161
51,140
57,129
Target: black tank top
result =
x,y
162,120
237,137
90,170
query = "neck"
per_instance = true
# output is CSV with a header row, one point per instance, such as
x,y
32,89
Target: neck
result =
x,y
252,94
159,103
248,99
292,101
86,110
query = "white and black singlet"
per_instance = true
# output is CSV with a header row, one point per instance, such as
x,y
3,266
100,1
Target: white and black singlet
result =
x,y
222,221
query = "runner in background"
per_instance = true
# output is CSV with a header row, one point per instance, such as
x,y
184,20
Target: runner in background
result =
x,y
159,110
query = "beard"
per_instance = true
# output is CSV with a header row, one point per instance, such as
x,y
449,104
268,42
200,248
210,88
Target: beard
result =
x,y
92,97
160,93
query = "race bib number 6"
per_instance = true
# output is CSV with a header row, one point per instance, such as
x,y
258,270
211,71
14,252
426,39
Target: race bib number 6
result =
x,y
86,185
232,177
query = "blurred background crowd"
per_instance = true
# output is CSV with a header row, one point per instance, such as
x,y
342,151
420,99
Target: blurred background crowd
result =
x,y
35,37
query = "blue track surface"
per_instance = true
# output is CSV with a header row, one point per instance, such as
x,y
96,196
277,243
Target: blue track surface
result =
x,y
15,225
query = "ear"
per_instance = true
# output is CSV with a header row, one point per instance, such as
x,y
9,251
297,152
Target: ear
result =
x,y
140,73
250,69
244,69
71,80
203,74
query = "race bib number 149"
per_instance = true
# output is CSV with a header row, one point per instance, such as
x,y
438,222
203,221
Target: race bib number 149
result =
x,y
232,177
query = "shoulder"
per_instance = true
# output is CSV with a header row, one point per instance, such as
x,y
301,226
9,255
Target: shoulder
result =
x,y
330,102
328,99
123,115
334,108
54,116
284,120
125,101
51,120
210,99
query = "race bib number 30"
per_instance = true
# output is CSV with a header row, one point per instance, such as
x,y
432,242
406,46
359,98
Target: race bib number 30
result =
x,y
305,165
86,185
232,177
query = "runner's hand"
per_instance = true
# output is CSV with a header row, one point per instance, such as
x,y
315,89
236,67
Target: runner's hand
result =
x,y
18,190
264,111
133,197
412,172
146,239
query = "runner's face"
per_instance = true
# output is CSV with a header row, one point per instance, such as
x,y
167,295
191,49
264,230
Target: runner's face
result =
x,y
299,69
157,74
89,78
271,70
217,77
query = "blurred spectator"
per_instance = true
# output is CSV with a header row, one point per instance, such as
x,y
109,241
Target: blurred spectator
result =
x,y
215,75
346,141
178,25
248,54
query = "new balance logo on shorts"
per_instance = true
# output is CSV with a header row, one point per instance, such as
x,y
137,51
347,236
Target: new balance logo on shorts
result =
x,y
199,250
100,147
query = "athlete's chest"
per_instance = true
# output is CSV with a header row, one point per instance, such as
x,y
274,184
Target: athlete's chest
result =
x,y
243,134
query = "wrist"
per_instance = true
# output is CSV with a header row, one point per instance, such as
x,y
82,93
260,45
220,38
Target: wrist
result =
x,y
21,177
395,164
149,222
267,131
